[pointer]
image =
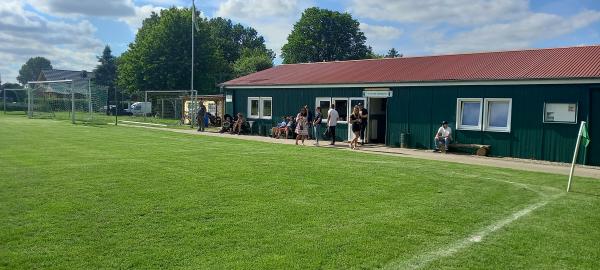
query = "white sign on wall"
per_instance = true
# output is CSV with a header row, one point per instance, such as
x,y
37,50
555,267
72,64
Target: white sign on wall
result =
x,y
228,98
560,112
377,93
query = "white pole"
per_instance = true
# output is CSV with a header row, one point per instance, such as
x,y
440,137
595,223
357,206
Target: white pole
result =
x,y
29,101
575,155
90,99
145,102
192,78
72,104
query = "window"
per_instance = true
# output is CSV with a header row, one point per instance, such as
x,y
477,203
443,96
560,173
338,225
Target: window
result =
x,y
341,106
497,114
468,113
324,103
253,111
560,113
266,108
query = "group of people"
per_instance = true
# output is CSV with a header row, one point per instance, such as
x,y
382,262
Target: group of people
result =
x,y
307,125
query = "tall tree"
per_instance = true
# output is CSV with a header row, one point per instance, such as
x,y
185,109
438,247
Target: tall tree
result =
x,y
160,56
106,73
252,60
32,68
325,35
392,53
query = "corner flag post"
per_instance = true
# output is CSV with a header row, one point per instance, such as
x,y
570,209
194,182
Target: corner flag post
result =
x,y
583,133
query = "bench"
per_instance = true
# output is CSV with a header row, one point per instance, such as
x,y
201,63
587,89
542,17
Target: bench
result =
x,y
475,149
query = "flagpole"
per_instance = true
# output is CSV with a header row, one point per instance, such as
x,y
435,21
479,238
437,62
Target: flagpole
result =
x,y
192,77
575,155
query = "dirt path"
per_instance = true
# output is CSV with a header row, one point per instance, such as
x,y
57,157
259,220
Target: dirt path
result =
x,y
510,163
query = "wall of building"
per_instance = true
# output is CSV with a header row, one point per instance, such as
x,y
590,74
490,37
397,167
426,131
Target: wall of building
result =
x,y
418,112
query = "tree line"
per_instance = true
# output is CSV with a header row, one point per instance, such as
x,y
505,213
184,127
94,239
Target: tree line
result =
x,y
159,57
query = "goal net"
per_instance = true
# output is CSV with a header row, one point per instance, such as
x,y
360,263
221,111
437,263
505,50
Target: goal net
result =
x,y
78,101
14,101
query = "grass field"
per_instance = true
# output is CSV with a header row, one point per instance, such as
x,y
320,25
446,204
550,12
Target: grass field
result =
x,y
80,197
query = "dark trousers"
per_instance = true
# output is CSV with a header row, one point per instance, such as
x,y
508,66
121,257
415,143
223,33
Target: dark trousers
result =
x,y
363,127
332,134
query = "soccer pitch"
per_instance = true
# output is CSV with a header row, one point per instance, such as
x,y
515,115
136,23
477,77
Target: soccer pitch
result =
x,y
80,197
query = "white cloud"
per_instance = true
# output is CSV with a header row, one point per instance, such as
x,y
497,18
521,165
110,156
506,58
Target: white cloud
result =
x,y
135,22
457,12
381,38
518,34
24,34
273,19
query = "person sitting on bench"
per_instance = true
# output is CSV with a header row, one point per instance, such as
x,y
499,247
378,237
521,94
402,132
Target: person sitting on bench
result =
x,y
443,136
227,124
281,127
237,125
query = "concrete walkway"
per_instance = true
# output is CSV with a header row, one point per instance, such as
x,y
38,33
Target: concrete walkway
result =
x,y
510,163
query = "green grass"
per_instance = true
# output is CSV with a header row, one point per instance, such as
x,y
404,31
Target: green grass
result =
x,y
80,197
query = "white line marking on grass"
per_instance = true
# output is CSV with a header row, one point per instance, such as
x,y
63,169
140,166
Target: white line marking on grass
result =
x,y
423,260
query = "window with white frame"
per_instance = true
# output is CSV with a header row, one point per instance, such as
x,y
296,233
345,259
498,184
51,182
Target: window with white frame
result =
x,y
266,108
565,113
468,113
253,107
325,104
497,114
341,106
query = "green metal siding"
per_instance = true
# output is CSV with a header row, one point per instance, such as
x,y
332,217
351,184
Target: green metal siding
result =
x,y
419,110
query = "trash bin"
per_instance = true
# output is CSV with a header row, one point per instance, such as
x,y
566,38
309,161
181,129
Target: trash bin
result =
x,y
404,137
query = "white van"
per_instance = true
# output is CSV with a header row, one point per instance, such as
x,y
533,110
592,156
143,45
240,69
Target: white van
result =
x,y
140,108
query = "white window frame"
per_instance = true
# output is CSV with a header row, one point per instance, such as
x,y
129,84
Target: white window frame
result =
x,y
486,126
317,104
261,107
249,115
561,122
333,99
459,103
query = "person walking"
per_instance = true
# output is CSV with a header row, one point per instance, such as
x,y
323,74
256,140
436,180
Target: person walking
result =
x,y
332,118
355,122
301,126
200,116
364,117
317,125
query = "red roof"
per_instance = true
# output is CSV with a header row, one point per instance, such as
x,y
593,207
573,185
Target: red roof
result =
x,y
536,64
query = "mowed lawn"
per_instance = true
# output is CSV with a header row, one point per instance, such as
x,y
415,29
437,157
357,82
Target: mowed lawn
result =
x,y
81,197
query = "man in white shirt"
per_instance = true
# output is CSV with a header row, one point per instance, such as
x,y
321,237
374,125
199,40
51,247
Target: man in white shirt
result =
x,y
332,118
443,136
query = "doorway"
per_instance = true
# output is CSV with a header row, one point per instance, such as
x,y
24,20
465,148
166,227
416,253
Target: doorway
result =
x,y
377,126
593,153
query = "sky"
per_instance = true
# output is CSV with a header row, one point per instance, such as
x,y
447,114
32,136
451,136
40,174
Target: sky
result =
x,y
72,33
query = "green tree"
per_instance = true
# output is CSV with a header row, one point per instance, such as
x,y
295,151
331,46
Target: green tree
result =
x,y
392,53
252,60
30,71
106,74
160,56
325,35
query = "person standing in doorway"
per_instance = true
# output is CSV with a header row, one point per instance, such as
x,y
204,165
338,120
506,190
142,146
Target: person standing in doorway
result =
x,y
332,118
200,116
364,117
317,125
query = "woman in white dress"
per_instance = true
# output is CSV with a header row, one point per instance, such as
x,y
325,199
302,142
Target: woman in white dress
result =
x,y
302,125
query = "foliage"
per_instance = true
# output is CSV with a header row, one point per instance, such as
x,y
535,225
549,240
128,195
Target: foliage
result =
x,y
325,35
11,86
106,72
392,53
160,56
73,199
30,71
252,60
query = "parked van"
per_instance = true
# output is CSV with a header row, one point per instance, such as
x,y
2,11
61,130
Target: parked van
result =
x,y
140,108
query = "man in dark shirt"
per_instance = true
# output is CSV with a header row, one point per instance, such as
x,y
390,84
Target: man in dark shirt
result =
x,y
309,119
200,116
364,115
317,124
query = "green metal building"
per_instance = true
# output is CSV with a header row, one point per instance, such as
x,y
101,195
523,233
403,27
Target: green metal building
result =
x,y
524,104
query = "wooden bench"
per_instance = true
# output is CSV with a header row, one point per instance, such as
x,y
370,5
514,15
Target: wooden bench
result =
x,y
475,149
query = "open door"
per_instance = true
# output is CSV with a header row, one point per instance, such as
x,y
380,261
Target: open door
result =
x,y
377,124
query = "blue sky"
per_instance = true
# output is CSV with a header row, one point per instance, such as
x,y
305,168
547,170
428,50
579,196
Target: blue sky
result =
x,y
71,33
